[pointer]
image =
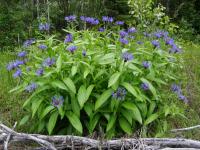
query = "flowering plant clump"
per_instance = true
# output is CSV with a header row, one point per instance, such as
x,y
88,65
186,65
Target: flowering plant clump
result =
x,y
107,80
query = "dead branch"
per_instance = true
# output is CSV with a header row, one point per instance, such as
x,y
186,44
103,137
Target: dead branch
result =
x,y
185,129
77,142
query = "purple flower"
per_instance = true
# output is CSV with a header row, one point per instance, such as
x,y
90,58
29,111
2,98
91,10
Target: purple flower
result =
x,y
44,26
183,98
176,88
102,29
132,30
155,43
18,73
84,53
145,86
90,20
175,49
123,41
31,87
119,23
119,94
169,41
39,71
107,19
42,47
72,48
49,62
146,64
57,101
70,18
68,38
123,34
146,34
82,18
22,54
10,66
139,42
17,63
127,56
158,34
28,42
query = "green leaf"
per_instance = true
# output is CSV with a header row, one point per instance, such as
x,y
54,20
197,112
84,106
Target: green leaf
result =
x,y
102,99
152,89
70,84
113,79
46,111
124,124
111,122
126,114
136,113
89,91
74,104
24,120
75,122
35,106
151,118
134,68
93,122
130,89
59,63
74,70
86,72
151,108
34,95
52,122
82,95
59,84
88,107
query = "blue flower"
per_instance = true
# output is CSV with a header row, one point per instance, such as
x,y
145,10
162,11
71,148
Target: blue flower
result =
x,y
155,43
44,26
72,48
107,19
68,38
57,101
146,64
49,62
123,34
132,30
22,54
31,87
10,66
119,23
70,18
42,47
18,73
39,71
123,41
183,98
169,41
139,42
158,34
28,42
145,86
84,53
119,94
17,63
175,49
146,34
102,29
127,56
176,88
90,20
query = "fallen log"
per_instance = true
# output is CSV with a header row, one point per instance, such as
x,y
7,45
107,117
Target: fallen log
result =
x,y
77,142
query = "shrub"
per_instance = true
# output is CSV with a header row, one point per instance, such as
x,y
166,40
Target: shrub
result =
x,y
109,81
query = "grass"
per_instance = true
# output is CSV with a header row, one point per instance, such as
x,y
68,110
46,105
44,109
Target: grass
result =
x,y
11,104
